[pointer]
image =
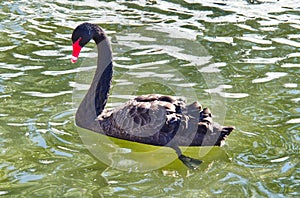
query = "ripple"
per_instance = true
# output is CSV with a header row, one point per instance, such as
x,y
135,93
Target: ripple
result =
x,y
8,76
6,48
286,42
293,121
19,67
247,27
20,56
219,90
25,177
39,43
40,29
143,65
281,159
261,60
46,162
211,68
270,76
47,53
219,39
290,85
58,73
61,153
3,192
296,100
46,95
234,95
289,65
263,48
255,39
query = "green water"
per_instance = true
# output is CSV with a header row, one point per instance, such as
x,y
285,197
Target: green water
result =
x,y
240,59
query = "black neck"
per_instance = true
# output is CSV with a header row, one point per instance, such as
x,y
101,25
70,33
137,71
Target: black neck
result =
x,y
95,100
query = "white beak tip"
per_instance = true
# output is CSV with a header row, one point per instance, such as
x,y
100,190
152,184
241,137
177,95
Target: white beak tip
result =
x,y
74,59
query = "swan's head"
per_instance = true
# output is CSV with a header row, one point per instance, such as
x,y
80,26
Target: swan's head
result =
x,y
82,34
80,37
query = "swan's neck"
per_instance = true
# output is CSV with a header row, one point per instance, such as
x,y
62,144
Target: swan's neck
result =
x,y
96,97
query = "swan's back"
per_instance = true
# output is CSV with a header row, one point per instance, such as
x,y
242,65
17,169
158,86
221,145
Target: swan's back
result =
x,y
152,119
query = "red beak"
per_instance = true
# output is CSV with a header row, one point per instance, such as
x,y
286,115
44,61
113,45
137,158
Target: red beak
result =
x,y
76,50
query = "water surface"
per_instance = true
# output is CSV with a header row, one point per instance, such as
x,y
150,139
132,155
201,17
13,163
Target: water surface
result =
x,y
240,59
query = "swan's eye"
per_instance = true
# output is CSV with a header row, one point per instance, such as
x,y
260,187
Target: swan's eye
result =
x,y
76,50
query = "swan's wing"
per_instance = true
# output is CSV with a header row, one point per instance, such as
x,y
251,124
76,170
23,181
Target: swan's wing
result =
x,y
146,115
141,119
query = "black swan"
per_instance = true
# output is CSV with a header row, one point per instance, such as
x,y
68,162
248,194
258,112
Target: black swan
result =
x,y
150,119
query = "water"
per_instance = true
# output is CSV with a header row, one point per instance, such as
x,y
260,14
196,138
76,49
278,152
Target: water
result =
x,y
238,58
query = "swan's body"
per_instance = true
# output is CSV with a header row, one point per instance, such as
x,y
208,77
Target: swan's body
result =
x,y
150,119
